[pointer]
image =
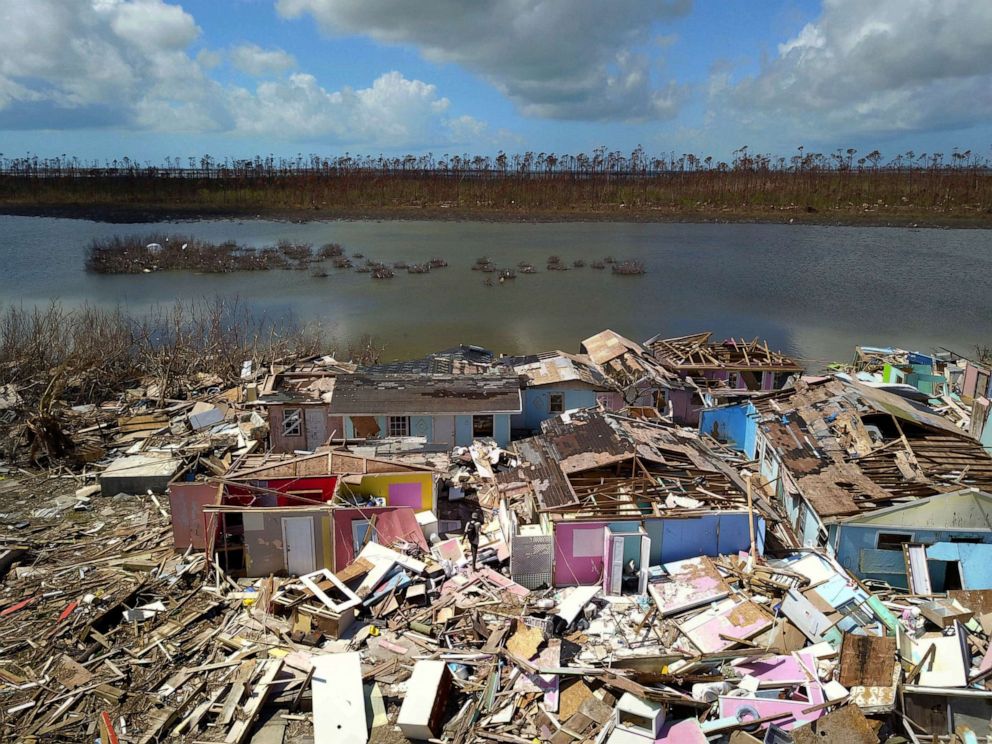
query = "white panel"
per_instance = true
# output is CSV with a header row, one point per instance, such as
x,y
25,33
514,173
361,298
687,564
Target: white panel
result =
x,y
642,585
421,694
338,700
587,543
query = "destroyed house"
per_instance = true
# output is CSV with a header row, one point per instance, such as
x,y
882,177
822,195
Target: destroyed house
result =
x,y
942,542
887,366
281,514
555,382
296,398
830,450
719,370
442,410
630,368
595,492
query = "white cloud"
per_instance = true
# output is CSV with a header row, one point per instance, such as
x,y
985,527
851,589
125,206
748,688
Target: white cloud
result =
x,y
129,64
879,66
566,59
393,112
253,60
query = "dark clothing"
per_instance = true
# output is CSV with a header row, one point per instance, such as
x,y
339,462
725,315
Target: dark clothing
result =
x,y
472,531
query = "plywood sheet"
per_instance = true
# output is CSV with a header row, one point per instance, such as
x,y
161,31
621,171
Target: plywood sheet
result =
x,y
711,630
867,660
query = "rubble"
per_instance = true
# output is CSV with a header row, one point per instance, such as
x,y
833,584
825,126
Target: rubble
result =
x,y
636,580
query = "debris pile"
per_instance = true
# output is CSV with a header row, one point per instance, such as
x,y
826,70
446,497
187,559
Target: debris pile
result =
x,y
419,551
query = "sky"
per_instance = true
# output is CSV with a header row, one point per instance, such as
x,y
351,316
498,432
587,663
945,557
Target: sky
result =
x,y
157,79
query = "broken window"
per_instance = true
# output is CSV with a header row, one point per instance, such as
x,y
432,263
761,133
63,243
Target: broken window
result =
x,y
482,426
893,540
853,609
556,403
292,422
399,426
361,533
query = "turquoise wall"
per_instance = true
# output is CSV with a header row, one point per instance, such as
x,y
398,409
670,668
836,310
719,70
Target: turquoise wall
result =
x,y
463,431
501,430
422,426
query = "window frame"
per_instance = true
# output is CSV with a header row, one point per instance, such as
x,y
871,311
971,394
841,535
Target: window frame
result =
x,y
392,428
288,414
560,399
492,426
893,533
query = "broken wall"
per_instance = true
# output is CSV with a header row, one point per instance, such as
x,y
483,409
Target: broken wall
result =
x,y
265,551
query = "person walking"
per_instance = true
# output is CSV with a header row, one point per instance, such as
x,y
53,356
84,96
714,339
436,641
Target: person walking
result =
x,y
473,530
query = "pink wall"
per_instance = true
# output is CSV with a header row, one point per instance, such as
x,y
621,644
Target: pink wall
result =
x,y
571,570
969,384
186,502
401,522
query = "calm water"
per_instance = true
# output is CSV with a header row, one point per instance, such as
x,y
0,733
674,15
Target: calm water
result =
x,y
813,291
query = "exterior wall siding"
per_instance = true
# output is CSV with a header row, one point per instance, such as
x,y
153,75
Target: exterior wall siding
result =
x,y
671,540
537,405
857,551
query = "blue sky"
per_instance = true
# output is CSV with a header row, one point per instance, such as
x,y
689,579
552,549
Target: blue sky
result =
x,y
154,78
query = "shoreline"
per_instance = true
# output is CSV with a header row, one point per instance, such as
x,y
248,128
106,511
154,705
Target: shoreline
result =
x,y
140,214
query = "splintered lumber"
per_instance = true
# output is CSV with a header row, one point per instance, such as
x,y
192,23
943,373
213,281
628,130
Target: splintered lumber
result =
x,y
260,691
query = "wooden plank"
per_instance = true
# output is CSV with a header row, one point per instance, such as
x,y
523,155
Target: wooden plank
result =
x,y
238,733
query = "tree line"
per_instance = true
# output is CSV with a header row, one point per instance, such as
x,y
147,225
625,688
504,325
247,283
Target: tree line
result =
x,y
958,183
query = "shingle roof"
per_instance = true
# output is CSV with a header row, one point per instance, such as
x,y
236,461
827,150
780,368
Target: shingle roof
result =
x,y
425,394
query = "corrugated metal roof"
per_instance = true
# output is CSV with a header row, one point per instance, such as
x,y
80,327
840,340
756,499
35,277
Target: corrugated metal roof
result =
x,y
608,345
556,367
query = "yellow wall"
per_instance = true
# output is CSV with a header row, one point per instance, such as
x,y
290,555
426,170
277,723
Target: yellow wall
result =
x,y
378,485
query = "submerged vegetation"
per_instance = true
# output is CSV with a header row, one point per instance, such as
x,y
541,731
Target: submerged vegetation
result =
x,y
805,185
146,254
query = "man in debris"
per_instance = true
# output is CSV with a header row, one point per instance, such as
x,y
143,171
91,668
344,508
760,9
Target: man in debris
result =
x,y
472,532
631,577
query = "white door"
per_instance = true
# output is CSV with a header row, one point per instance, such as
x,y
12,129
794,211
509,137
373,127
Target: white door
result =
x,y
298,545
444,430
615,573
315,419
642,585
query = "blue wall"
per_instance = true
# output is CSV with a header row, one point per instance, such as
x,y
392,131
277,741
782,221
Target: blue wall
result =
x,y
423,426
712,534
501,430
537,401
857,553
736,425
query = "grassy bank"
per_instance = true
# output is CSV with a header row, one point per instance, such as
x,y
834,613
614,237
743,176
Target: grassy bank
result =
x,y
813,188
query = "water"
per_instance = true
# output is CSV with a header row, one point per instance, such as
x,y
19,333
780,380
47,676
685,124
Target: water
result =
x,y
812,291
